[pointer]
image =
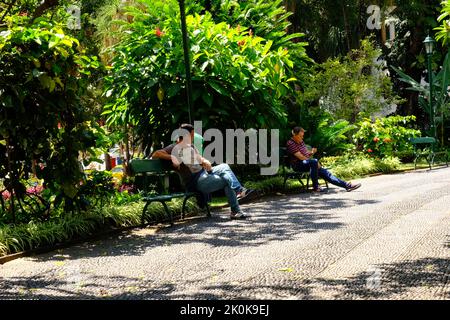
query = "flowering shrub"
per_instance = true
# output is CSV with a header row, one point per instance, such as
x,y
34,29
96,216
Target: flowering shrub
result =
x,y
385,136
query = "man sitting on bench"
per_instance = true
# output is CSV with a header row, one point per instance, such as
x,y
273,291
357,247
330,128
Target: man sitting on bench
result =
x,y
301,160
198,174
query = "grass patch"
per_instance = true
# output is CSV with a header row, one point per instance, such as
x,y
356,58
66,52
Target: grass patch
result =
x,y
356,166
16,238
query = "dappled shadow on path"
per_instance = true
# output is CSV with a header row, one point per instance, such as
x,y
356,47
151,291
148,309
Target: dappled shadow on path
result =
x,y
422,276
427,276
130,288
279,218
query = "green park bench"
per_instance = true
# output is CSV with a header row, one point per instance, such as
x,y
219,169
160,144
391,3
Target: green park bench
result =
x,y
148,170
288,173
425,147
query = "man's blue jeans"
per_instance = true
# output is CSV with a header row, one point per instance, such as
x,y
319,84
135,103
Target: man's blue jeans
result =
x,y
312,165
225,170
221,178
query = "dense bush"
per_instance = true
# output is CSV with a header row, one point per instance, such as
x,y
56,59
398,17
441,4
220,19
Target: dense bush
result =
x,y
43,124
240,79
351,87
353,165
385,137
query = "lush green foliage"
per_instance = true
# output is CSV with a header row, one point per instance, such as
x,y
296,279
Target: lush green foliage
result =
x,y
267,19
352,87
329,136
385,137
443,33
44,126
237,78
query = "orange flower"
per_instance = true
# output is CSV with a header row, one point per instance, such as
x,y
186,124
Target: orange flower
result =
x,y
376,139
241,43
369,150
158,32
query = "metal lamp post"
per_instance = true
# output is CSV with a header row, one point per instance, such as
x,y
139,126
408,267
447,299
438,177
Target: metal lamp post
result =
x,y
187,62
429,43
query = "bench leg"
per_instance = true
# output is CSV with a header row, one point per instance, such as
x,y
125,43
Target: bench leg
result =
x,y
166,209
208,214
183,208
143,213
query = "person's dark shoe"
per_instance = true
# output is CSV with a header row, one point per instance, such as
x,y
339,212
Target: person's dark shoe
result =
x,y
318,190
245,195
353,186
238,215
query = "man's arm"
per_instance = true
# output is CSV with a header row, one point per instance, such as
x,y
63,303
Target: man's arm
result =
x,y
300,156
161,154
164,155
203,162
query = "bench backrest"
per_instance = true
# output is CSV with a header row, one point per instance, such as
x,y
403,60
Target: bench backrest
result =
x,y
147,166
148,171
284,158
420,140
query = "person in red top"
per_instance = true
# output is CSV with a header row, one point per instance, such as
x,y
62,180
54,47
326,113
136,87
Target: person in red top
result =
x,y
302,160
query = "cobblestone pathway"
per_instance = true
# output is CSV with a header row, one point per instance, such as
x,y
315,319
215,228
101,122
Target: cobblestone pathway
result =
x,y
390,239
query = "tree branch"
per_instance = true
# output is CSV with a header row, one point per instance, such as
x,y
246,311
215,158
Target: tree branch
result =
x,y
46,5
11,4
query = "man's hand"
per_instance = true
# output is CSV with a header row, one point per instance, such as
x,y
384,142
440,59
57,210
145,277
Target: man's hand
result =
x,y
175,162
313,150
206,165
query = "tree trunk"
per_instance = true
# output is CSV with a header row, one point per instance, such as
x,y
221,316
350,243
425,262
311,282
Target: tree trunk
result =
x,y
107,162
346,25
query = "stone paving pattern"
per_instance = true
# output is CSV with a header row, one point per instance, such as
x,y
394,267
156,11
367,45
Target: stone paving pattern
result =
x,y
390,239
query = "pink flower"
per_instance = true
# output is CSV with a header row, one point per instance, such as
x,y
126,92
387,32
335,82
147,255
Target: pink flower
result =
x,y
376,139
6,195
369,150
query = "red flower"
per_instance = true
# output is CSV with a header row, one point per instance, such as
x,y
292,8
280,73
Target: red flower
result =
x,y
241,43
376,139
158,32
23,14
59,125
369,150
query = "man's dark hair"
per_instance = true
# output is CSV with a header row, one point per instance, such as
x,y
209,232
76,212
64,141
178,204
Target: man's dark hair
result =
x,y
187,126
296,130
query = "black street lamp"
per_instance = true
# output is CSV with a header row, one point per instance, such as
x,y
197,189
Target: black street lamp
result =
x,y
429,43
187,62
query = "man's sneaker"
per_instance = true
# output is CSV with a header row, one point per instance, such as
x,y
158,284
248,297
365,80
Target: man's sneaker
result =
x,y
352,186
238,215
245,194
318,190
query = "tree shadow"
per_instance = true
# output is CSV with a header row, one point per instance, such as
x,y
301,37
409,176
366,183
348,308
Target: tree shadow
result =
x,y
43,287
394,280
